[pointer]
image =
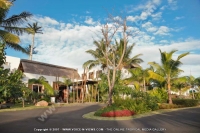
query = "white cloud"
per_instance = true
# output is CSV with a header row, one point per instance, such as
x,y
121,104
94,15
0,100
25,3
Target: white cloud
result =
x,y
163,7
144,15
172,4
162,30
177,18
147,10
190,62
45,20
90,21
132,18
65,44
164,41
157,16
149,27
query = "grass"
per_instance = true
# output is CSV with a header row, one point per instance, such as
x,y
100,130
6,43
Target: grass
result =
x,y
160,111
17,107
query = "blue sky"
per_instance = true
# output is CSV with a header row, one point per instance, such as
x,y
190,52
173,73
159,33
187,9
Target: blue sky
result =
x,y
69,28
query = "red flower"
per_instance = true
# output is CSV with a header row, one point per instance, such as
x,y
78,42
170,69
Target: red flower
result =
x,y
118,113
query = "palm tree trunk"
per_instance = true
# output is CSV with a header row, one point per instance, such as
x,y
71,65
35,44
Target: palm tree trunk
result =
x,y
32,46
169,91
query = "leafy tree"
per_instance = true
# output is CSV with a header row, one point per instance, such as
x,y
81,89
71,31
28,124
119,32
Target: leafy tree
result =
x,y
33,29
10,29
113,57
12,87
168,69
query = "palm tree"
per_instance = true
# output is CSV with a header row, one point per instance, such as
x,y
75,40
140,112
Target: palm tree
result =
x,y
138,77
180,83
127,62
9,27
33,29
5,4
193,83
98,54
169,68
28,50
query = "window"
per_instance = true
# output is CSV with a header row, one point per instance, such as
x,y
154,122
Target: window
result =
x,y
37,88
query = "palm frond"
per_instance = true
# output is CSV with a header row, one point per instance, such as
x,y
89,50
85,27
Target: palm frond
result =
x,y
34,28
182,55
15,30
169,55
155,65
9,37
16,19
17,47
4,4
156,76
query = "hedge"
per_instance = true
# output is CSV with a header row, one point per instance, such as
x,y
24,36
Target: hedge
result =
x,y
185,102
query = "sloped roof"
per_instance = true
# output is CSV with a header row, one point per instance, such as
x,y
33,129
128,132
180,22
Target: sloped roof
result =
x,y
35,67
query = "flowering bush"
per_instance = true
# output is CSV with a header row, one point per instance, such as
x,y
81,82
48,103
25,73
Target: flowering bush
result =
x,y
118,113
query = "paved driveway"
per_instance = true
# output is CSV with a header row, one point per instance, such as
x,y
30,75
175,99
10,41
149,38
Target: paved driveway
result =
x,y
69,120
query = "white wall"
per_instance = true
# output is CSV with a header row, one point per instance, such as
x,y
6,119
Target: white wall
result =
x,y
12,61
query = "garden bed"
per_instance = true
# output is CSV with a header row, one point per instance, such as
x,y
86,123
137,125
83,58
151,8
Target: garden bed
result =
x,y
118,113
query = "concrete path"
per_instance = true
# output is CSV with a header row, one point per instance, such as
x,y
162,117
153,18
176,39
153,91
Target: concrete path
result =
x,y
69,120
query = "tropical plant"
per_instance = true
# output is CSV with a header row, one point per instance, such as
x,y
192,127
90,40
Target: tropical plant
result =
x,y
98,56
180,83
9,27
41,80
12,87
193,84
127,61
168,69
139,76
113,58
5,4
33,29
28,50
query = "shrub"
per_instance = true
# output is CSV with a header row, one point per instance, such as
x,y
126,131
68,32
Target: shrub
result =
x,y
107,109
169,106
185,102
160,94
197,95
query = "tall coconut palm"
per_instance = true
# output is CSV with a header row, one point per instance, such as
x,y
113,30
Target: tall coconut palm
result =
x,y
127,62
33,29
98,54
169,68
9,26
